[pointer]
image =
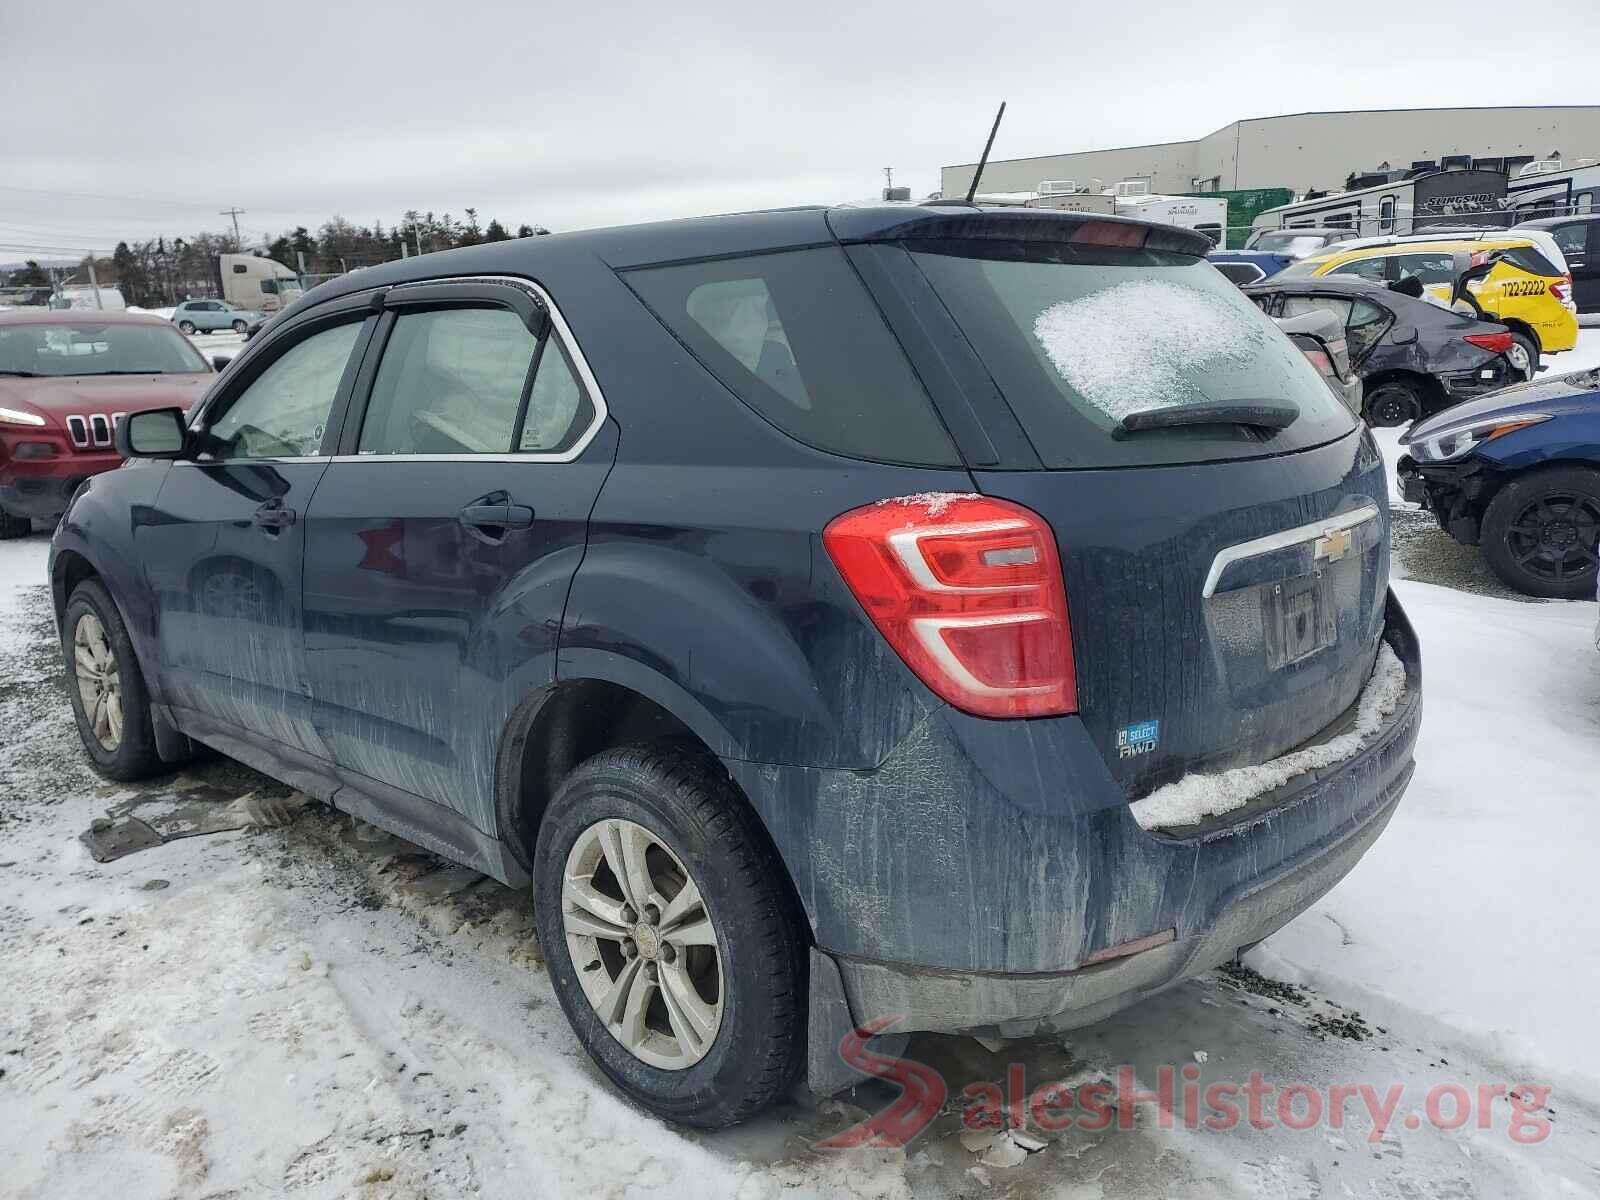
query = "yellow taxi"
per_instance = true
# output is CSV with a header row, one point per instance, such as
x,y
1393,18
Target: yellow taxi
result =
x,y
1529,290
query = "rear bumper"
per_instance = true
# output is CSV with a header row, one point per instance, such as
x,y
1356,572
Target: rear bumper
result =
x,y
1025,1005
952,892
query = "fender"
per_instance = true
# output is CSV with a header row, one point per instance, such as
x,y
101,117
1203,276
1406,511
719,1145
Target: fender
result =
x,y
761,655
130,489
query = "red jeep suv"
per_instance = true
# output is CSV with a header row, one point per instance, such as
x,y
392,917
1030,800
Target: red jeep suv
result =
x,y
66,379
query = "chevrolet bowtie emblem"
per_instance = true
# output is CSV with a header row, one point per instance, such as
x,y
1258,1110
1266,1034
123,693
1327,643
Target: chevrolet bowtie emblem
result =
x,y
1333,545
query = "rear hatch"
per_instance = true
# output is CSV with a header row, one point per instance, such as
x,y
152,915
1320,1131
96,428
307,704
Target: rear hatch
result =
x,y
1225,577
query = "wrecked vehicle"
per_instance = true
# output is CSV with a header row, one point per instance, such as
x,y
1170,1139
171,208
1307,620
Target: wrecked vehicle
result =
x,y
1319,335
981,650
1415,358
1518,475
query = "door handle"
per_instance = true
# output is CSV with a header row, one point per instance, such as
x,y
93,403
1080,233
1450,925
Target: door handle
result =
x,y
499,516
273,515
482,515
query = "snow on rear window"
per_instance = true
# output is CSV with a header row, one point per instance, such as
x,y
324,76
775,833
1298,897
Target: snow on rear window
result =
x,y
1146,343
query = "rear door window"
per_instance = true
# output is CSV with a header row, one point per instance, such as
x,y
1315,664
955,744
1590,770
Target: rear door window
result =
x,y
1364,268
1365,327
1078,337
796,337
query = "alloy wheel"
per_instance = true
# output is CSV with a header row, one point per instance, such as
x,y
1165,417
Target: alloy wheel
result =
x,y
94,664
1554,538
643,944
1517,356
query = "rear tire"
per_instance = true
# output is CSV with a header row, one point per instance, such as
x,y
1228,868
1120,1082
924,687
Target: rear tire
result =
x,y
13,527
239,327
1393,402
186,327
109,698
1529,352
1540,531
692,824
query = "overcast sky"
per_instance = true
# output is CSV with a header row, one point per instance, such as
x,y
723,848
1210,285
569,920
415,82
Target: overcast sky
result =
x,y
596,113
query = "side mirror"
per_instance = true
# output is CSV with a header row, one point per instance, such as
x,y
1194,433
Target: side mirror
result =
x,y
219,361
1403,335
156,433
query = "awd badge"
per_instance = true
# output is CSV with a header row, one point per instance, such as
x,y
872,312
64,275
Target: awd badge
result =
x,y
1138,738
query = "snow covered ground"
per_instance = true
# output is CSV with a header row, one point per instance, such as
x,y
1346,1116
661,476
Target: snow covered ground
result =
x,y
315,1009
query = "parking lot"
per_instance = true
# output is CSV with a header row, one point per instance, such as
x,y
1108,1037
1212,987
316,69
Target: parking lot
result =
x,y
279,999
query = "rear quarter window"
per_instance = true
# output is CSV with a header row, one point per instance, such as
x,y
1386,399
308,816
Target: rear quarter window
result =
x,y
795,336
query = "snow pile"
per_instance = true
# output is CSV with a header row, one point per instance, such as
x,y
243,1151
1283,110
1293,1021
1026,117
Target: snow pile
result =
x,y
1176,334
1197,796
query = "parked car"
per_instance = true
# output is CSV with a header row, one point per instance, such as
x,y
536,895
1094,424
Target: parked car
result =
x,y
1518,474
1529,290
66,379
1298,243
1248,266
1579,240
1414,357
807,604
1319,335
208,316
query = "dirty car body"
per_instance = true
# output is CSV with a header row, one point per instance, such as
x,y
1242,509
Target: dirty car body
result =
x,y
905,579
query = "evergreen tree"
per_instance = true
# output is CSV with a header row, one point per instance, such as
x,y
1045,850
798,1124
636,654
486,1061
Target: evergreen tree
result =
x,y
495,232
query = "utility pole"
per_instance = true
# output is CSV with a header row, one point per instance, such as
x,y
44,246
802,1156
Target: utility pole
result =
x,y
234,213
888,177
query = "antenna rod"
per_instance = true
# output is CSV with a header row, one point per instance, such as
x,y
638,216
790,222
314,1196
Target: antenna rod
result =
x,y
987,146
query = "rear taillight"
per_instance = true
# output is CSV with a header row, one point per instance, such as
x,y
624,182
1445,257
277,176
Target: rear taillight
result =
x,y
1497,343
1322,363
1562,288
968,591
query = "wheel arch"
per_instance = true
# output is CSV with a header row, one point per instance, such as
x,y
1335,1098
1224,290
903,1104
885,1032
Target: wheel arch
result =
x,y
1426,386
559,727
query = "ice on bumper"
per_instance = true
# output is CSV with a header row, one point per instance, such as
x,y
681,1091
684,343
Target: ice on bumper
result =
x,y
1195,797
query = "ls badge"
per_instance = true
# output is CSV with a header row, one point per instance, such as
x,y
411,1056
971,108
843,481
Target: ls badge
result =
x,y
1138,738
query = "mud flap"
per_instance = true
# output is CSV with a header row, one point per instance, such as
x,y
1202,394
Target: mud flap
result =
x,y
829,1024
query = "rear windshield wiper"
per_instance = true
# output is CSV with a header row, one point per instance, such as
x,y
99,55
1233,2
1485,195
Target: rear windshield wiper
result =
x,y
1255,414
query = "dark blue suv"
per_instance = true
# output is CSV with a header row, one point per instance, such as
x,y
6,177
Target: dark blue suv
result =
x,y
836,617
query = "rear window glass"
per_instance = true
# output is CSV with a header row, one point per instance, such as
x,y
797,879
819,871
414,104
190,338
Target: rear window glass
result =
x,y
796,337
1078,338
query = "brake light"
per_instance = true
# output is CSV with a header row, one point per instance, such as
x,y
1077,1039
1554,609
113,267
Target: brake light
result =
x,y
1110,233
1497,343
1322,363
967,589
1561,287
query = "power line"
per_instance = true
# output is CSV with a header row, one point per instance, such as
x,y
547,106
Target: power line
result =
x,y
99,196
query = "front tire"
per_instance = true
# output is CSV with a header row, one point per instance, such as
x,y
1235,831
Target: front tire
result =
x,y
1540,532
13,526
673,947
239,327
186,327
109,698
1393,402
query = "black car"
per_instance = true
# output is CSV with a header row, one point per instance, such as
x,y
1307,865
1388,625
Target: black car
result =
x,y
1414,357
821,611
1579,239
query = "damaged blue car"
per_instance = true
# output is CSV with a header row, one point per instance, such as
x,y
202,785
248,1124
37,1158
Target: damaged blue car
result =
x,y
834,617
